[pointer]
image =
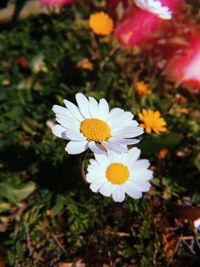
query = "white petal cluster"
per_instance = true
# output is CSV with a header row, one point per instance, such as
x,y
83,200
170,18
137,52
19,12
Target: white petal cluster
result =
x,y
155,7
137,182
121,124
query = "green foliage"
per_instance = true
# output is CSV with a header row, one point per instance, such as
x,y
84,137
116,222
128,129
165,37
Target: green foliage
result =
x,y
15,194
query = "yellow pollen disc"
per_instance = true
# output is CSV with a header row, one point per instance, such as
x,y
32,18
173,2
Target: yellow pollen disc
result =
x,y
95,130
117,173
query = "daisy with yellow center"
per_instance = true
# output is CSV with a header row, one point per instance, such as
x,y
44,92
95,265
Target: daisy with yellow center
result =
x,y
151,121
142,89
91,125
119,174
101,23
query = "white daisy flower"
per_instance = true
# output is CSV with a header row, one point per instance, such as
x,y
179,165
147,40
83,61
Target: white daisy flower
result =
x,y
119,174
91,125
155,7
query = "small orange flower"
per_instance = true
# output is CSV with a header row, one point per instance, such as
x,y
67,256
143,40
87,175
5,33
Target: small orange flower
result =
x,y
142,88
163,153
85,64
152,121
183,110
101,23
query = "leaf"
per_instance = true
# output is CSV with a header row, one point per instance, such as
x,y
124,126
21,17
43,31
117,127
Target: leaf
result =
x,y
15,193
59,205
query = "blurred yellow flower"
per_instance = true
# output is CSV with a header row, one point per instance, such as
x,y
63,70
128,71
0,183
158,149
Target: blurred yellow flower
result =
x,y
151,121
142,88
101,23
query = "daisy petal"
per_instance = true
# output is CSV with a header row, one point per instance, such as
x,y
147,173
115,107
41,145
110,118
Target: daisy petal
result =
x,y
112,156
74,147
140,164
96,148
58,130
61,110
93,162
127,132
74,135
67,122
123,141
106,189
103,110
118,194
97,184
112,147
143,187
83,104
93,107
92,167
131,191
114,113
124,148
95,170
91,177
102,159
133,132
143,175
134,153
124,117
73,109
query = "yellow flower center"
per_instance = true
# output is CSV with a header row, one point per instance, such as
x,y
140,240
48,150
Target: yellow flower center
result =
x,y
95,130
117,173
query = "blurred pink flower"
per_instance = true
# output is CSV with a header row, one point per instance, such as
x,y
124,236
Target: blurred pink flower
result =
x,y
138,26
57,2
184,65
